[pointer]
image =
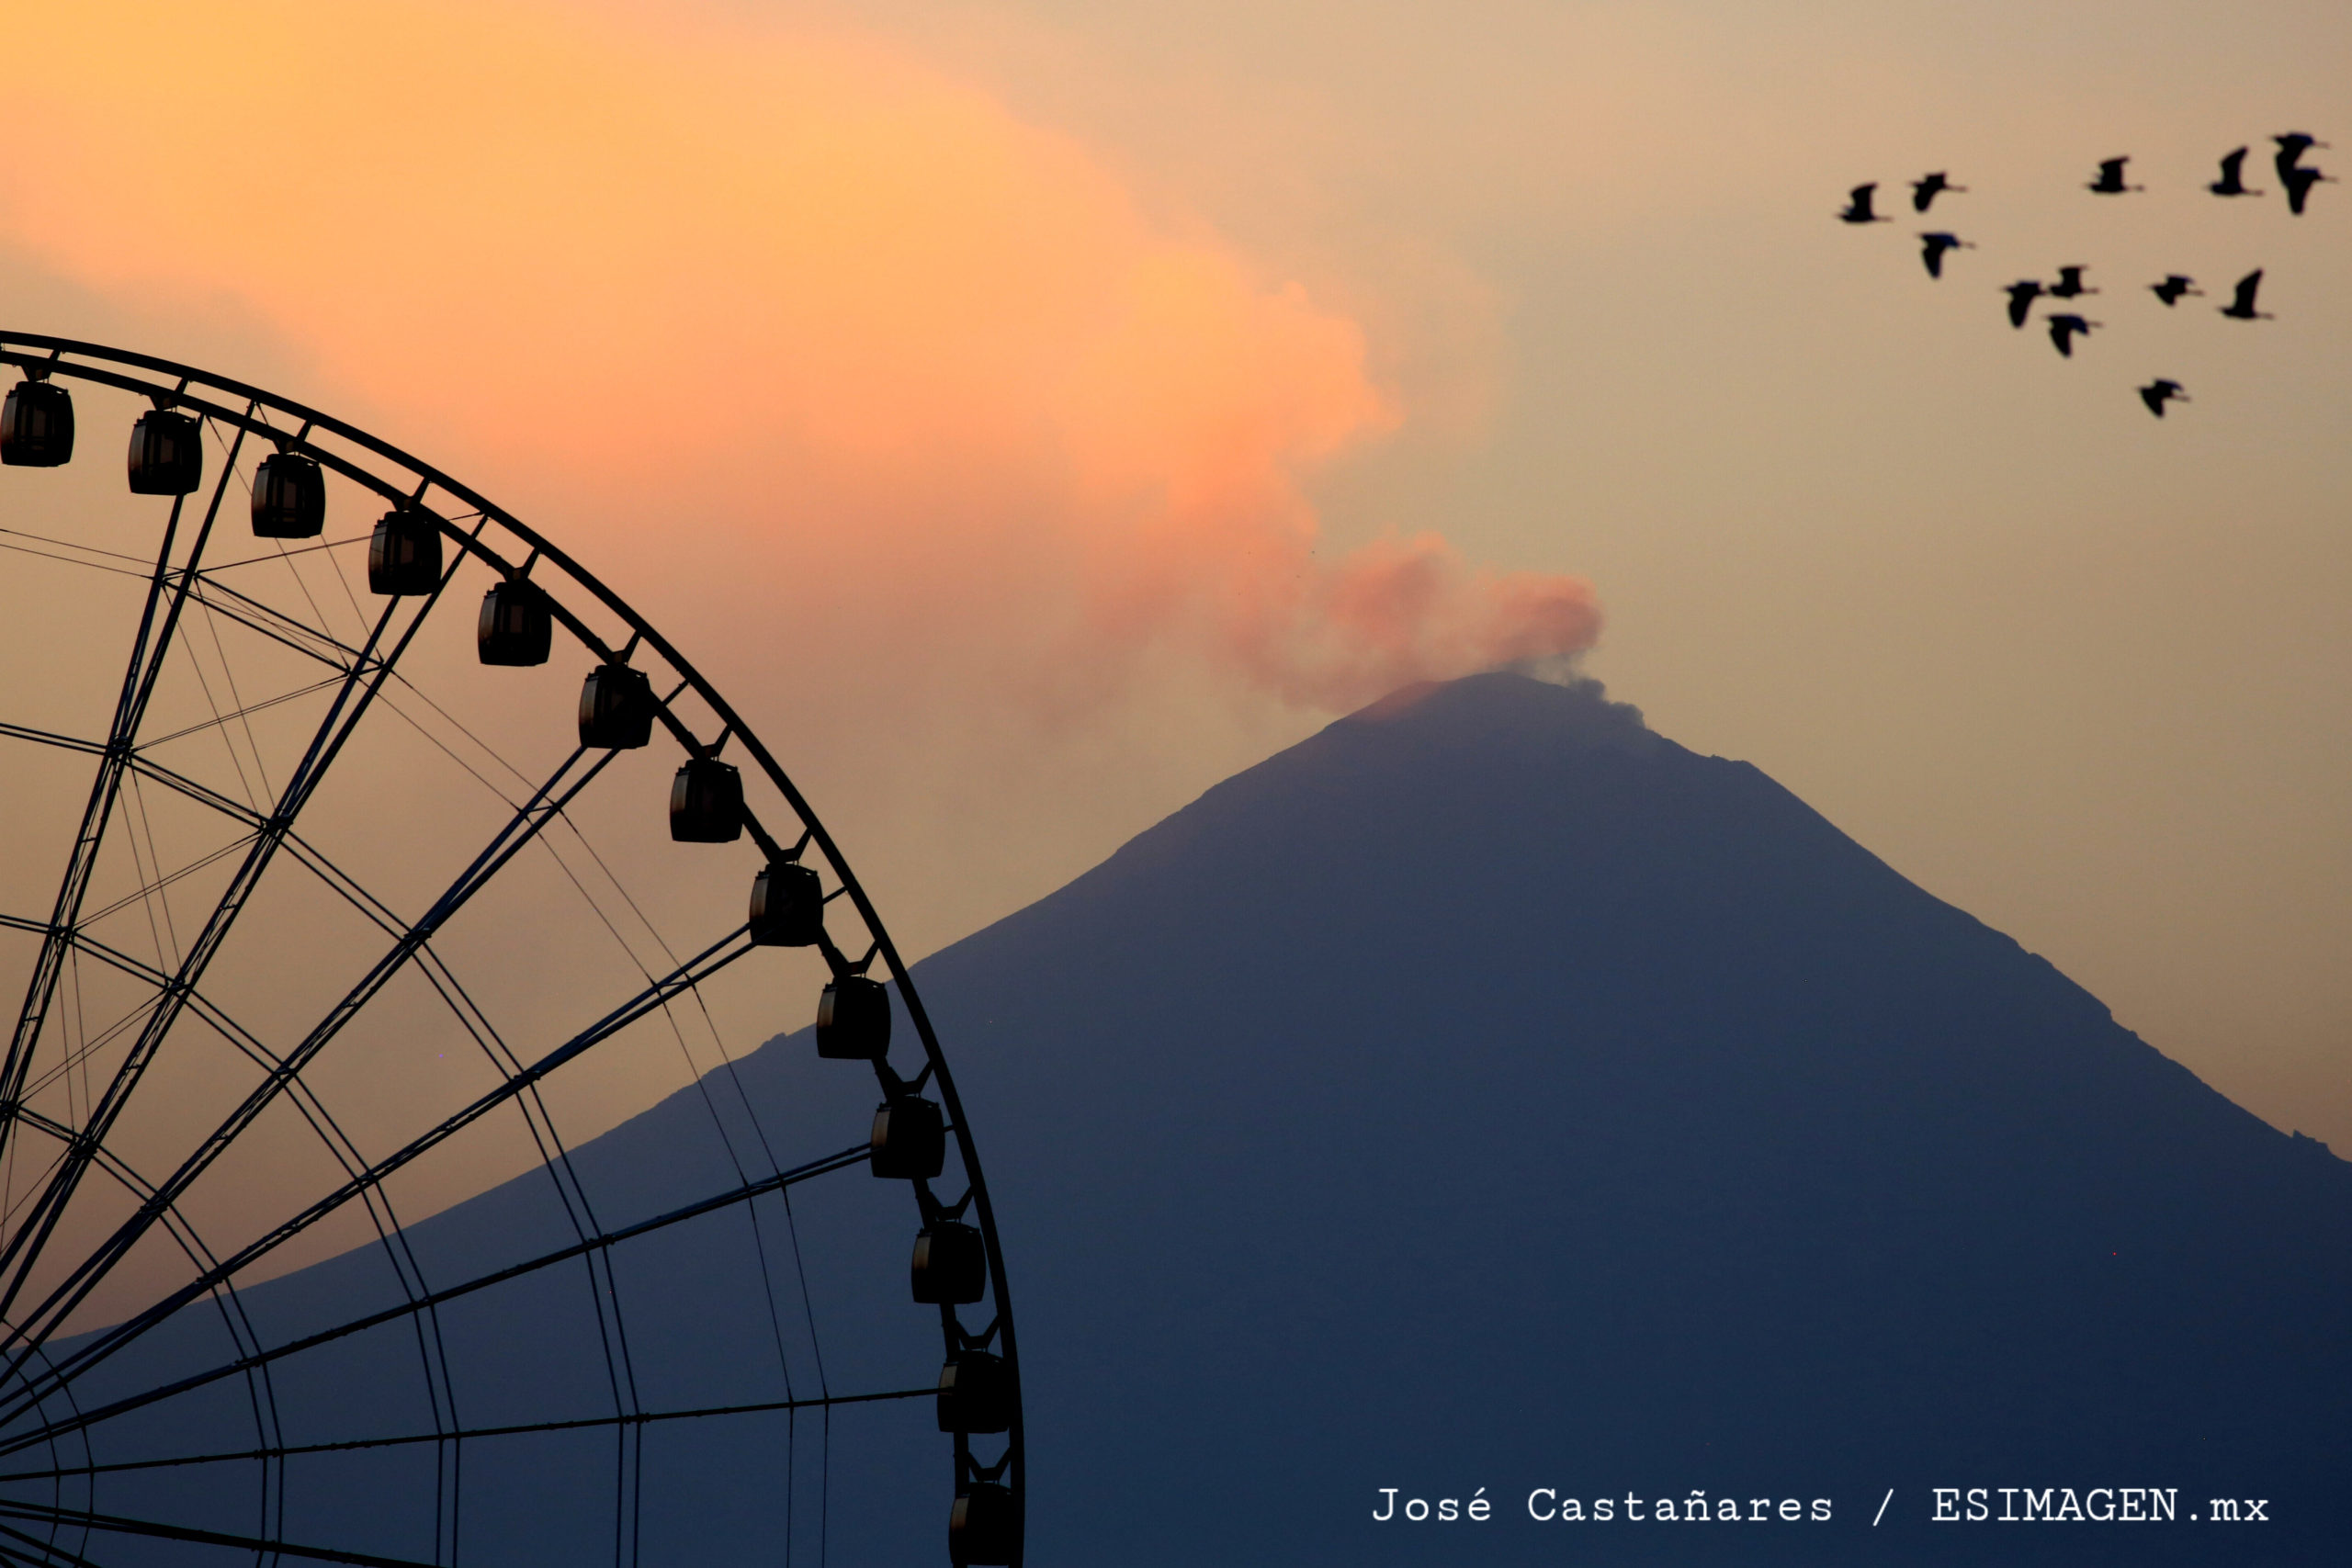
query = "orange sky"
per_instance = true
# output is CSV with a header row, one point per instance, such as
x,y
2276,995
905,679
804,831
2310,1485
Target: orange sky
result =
x,y
855,317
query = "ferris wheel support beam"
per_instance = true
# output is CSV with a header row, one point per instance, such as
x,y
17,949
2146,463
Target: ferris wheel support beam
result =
x,y
748,1191
114,1524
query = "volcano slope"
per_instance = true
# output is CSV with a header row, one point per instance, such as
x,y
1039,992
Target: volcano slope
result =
x,y
1487,1092
1490,1100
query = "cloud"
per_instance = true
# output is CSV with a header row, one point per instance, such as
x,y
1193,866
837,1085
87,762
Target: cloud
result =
x,y
781,311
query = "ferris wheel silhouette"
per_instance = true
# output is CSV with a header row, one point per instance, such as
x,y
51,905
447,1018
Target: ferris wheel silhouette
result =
x,y
349,945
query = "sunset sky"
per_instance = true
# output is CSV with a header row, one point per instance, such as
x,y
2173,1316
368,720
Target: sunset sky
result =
x,y
1030,411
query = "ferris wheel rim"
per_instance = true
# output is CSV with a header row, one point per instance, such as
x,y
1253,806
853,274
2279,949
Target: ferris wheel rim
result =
x,y
43,356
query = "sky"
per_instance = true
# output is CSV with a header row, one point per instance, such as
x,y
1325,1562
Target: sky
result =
x,y
1033,413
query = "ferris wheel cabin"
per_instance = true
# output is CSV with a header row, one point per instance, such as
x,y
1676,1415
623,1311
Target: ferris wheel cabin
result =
x,y
615,708
706,803
516,627
167,454
36,426
854,1019
910,1141
788,906
975,1393
404,555
951,1266
290,498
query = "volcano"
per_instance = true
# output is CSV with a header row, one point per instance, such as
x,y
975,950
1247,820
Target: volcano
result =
x,y
1488,1092
1489,1133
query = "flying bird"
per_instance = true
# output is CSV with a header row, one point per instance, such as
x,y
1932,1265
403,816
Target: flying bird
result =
x,y
2299,181
1933,246
2110,178
2232,182
2241,306
2022,293
2155,392
2173,287
2069,284
2064,330
1858,209
1924,189
2291,148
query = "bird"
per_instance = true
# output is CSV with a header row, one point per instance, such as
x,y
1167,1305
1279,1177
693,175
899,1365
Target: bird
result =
x,y
2110,178
1858,209
1924,189
2069,284
2231,182
2155,393
2291,148
2299,181
2173,287
2064,330
1933,246
2241,306
2022,293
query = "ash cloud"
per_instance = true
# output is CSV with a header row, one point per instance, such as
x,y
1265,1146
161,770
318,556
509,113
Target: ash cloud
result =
x,y
910,388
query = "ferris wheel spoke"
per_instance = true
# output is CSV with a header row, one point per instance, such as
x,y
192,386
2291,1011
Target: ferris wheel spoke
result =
x,y
47,737
17,1546
37,1326
113,1165
210,1012
471,1434
338,1144
281,1075
240,714
286,552
168,590
311,642
162,880
351,700
61,1376
115,1524
116,562
147,768
239,1326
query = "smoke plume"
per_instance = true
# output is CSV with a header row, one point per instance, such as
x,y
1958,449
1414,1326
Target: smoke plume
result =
x,y
785,314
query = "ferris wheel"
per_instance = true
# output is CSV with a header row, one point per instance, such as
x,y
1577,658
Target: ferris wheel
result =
x,y
392,1169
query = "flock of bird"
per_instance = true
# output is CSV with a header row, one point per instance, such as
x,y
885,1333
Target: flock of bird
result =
x,y
2295,177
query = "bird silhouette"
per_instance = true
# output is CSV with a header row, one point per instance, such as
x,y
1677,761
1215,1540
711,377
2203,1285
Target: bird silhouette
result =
x,y
2173,287
2240,305
2069,284
1933,246
2110,178
2157,391
2291,148
2300,180
2065,329
1924,189
1858,209
2232,182
2022,293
